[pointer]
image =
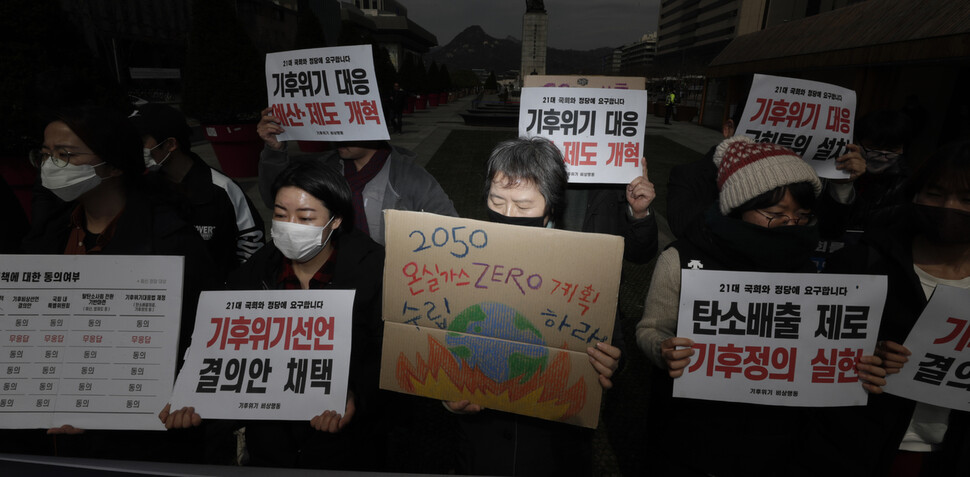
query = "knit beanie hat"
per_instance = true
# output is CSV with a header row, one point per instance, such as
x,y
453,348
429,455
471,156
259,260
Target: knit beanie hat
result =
x,y
747,169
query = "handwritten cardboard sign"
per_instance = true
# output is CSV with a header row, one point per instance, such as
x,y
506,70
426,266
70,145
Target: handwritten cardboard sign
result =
x,y
497,314
938,371
87,340
599,131
811,118
784,339
326,94
268,354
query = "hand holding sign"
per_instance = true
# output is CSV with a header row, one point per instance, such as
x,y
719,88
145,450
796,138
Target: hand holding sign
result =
x,y
268,128
893,354
605,359
182,419
332,421
640,194
677,359
871,374
851,163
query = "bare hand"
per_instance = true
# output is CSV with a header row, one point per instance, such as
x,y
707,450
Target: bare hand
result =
x,y
677,359
871,374
65,429
640,194
268,128
463,407
894,355
605,359
851,162
332,422
182,419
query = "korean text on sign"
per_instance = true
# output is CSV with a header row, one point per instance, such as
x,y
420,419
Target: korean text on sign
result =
x,y
281,354
779,339
599,131
325,94
811,118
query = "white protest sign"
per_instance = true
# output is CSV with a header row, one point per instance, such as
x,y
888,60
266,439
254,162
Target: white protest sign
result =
x,y
326,94
268,354
88,340
599,131
784,339
811,118
938,371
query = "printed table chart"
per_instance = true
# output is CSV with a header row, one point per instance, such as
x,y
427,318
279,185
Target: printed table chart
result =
x,y
88,341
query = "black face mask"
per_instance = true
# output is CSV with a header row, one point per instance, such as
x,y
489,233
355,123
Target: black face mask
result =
x,y
778,249
943,225
498,218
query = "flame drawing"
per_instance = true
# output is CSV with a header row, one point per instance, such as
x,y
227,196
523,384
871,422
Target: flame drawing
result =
x,y
496,374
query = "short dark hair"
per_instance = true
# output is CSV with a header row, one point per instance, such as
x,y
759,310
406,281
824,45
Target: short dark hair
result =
x,y
948,168
884,129
802,192
109,134
324,183
535,160
161,122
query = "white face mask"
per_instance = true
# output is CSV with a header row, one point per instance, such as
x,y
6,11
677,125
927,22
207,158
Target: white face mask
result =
x,y
299,242
150,163
71,181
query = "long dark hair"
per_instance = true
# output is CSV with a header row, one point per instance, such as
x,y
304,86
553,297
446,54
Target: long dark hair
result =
x,y
109,134
324,183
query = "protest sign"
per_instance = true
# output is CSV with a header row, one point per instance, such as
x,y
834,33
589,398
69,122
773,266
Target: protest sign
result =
x,y
811,118
938,371
268,354
326,94
88,340
785,339
497,314
599,131
609,82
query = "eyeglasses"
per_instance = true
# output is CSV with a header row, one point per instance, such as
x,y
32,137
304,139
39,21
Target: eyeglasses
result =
x,y
60,159
878,155
782,219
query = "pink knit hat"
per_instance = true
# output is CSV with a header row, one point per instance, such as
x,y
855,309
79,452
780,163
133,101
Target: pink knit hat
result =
x,y
747,169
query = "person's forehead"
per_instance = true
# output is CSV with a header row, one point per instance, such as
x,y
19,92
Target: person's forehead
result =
x,y
519,188
296,197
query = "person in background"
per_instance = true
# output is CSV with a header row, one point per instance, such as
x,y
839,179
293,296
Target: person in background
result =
x,y
397,100
316,246
525,185
762,222
92,160
380,176
918,245
218,208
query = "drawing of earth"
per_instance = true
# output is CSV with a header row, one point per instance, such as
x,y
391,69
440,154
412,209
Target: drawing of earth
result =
x,y
518,351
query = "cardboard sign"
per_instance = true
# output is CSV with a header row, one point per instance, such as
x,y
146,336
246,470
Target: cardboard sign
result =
x,y
938,371
599,131
497,314
811,118
784,339
88,340
609,82
326,94
268,354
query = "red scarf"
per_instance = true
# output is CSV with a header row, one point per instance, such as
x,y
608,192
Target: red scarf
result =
x,y
358,179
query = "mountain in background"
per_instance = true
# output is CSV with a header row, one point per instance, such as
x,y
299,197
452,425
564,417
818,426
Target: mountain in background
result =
x,y
473,48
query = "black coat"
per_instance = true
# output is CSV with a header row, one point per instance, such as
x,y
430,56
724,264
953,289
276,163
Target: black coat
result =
x,y
691,190
360,265
866,439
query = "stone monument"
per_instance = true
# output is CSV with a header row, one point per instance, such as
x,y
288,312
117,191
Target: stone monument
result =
x,y
534,24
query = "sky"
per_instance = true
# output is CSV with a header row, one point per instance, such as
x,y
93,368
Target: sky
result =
x,y
573,24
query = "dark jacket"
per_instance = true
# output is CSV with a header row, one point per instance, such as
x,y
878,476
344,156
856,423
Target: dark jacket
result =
x,y
691,190
360,265
607,213
225,218
872,193
875,432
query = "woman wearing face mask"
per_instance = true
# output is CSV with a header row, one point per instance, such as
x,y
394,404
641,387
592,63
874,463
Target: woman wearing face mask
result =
x,y
918,246
525,185
762,222
315,246
92,160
